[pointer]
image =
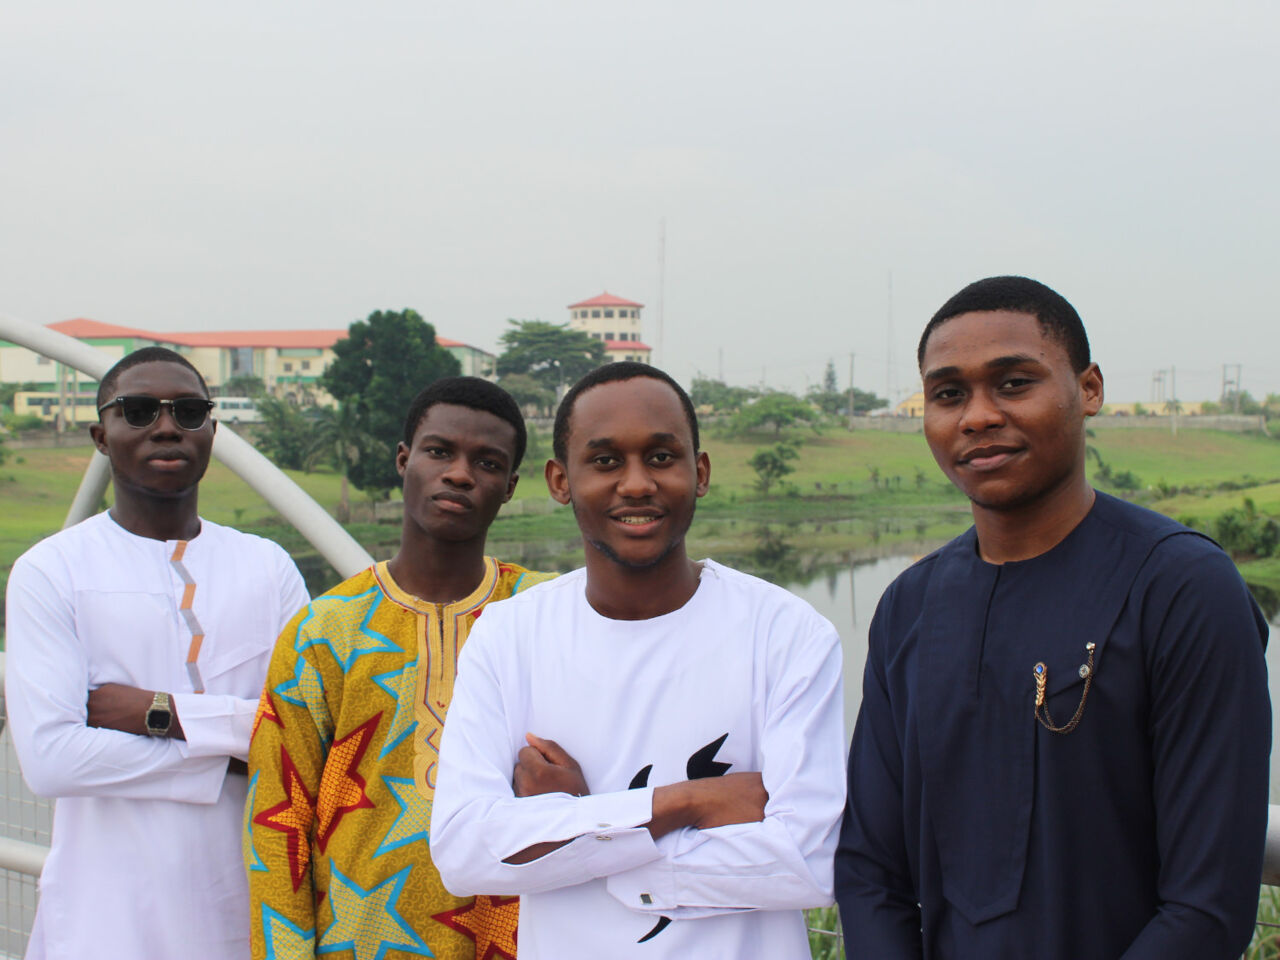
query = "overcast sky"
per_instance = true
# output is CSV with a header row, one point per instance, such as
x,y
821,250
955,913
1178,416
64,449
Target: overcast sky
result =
x,y
255,165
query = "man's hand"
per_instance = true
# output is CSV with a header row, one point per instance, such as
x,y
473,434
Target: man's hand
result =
x,y
708,802
118,706
544,767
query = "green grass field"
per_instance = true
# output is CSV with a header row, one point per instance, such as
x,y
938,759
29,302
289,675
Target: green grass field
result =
x,y
1193,458
833,482
1202,506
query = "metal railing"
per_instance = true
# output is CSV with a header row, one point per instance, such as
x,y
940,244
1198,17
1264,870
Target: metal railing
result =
x,y
25,819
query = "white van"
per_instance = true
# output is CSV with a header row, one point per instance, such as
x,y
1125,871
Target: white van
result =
x,y
236,410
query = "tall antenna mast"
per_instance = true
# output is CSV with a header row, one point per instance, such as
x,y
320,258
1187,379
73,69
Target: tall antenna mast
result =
x,y
888,350
662,281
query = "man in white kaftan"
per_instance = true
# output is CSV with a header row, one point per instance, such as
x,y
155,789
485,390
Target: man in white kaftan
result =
x,y
744,676
146,852
682,783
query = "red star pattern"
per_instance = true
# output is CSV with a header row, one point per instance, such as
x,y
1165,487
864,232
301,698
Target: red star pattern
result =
x,y
341,787
266,711
292,817
488,921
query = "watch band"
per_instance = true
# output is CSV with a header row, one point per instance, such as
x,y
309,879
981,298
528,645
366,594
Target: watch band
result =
x,y
159,715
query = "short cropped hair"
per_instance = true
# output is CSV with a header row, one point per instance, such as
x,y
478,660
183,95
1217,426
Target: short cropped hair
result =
x,y
473,392
107,386
611,373
1058,318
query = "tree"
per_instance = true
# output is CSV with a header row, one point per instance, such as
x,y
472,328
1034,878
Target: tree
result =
x,y
719,396
1271,406
1241,402
284,434
775,410
771,464
377,370
528,392
550,353
10,390
244,385
337,441
829,382
833,401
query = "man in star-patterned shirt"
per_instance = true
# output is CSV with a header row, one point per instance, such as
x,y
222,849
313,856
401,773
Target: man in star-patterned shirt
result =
x,y
343,760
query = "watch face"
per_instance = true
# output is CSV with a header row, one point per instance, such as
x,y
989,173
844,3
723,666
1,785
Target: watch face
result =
x,y
157,719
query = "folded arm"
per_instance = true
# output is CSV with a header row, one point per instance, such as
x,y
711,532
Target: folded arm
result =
x,y
783,860
545,767
47,692
482,831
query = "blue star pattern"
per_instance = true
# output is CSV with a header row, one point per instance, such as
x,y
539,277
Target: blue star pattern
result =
x,y
366,922
284,940
306,689
251,852
345,622
412,822
399,685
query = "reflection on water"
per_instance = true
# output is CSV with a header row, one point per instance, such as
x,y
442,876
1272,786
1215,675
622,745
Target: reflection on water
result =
x,y
1268,600
847,596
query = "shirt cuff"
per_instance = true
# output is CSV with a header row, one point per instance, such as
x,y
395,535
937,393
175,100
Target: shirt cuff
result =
x,y
214,725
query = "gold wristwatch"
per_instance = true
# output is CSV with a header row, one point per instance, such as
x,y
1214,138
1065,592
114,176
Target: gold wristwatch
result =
x,y
159,715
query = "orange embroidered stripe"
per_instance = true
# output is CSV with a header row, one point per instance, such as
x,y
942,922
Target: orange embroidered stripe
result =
x,y
189,616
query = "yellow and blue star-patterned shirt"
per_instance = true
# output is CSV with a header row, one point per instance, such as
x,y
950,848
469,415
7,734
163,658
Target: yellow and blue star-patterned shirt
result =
x,y
342,776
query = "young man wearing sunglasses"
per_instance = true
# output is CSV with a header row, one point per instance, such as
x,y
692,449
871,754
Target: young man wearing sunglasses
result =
x,y
1062,747
138,641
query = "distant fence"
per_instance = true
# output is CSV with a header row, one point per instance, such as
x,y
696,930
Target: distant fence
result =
x,y
1227,422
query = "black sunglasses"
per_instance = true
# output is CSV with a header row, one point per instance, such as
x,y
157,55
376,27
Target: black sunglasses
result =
x,y
190,413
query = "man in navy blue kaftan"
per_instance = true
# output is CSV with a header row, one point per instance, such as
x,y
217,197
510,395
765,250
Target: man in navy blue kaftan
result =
x,y
1062,750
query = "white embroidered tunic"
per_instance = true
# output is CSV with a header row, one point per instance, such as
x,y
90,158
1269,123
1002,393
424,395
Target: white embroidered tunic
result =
x,y
743,677
146,853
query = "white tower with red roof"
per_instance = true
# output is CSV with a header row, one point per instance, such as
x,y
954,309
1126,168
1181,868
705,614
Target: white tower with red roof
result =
x,y
616,322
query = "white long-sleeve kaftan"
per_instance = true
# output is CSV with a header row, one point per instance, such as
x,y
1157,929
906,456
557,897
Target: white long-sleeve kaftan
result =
x,y
743,677
146,853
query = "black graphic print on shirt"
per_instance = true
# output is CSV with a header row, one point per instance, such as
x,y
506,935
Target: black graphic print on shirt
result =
x,y
702,764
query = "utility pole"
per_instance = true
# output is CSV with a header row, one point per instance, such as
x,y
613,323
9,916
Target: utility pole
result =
x,y
1157,386
1173,389
60,422
1231,385
851,356
888,350
720,367
662,283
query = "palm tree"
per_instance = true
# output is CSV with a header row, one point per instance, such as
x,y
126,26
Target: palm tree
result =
x,y
336,441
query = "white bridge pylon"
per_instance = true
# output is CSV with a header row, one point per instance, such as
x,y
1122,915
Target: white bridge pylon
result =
x,y
290,500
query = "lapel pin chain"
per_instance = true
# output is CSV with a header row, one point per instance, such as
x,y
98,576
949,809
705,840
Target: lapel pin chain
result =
x,y
1042,710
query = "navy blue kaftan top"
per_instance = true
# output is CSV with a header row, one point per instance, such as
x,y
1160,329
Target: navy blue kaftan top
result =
x,y
974,833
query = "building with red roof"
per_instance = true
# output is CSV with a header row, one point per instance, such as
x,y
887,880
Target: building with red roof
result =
x,y
289,362
613,320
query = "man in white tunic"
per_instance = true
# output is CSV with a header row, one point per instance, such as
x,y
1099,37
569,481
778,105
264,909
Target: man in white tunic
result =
x,y
647,750
138,641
